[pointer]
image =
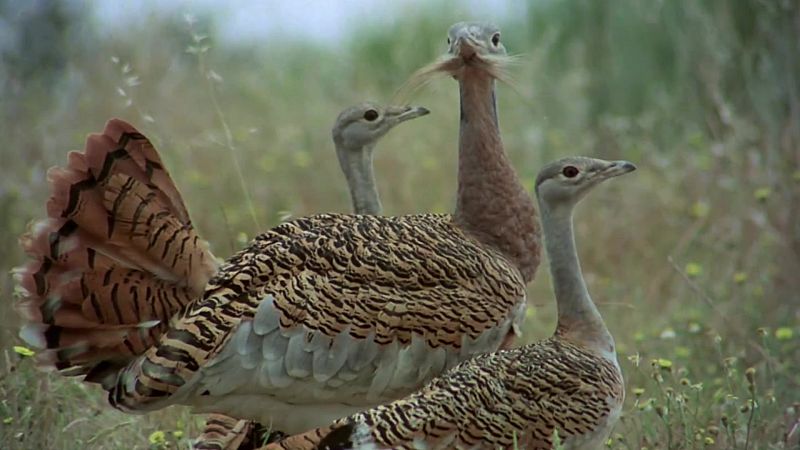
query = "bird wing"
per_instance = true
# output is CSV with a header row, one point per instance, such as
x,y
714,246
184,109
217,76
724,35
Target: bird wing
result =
x,y
332,308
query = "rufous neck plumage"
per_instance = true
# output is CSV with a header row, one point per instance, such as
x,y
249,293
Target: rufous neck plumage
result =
x,y
492,205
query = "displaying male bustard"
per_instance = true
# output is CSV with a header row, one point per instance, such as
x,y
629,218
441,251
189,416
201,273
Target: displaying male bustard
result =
x,y
570,383
315,319
355,132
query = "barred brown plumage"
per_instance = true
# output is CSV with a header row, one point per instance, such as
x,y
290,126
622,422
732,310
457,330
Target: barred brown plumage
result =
x,y
317,318
227,433
115,259
569,384
442,316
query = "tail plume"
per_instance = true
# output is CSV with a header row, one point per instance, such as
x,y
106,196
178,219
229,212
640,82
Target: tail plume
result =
x,y
115,258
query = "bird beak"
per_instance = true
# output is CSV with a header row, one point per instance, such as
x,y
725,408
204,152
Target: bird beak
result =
x,y
465,47
411,112
617,168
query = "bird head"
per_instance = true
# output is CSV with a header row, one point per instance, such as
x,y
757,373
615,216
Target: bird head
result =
x,y
566,181
363,124
473,50
473,45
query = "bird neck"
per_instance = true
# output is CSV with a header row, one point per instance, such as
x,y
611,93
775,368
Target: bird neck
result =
x,y
578,318
492,205
358,169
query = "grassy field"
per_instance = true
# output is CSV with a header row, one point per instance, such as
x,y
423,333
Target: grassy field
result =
x,y
693,260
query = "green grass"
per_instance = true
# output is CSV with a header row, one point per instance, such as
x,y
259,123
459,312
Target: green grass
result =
x,y
692,259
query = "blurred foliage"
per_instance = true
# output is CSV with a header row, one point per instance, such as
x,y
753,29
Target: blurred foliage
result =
x,y
693,259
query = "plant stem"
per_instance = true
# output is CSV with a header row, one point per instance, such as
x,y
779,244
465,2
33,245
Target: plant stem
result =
x,y
750,419
228,137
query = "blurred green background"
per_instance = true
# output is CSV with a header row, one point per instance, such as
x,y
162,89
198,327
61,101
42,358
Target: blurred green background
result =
x,y
694,260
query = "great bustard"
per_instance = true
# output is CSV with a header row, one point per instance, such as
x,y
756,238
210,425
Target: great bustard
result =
x,y
570,383
355,133
315,319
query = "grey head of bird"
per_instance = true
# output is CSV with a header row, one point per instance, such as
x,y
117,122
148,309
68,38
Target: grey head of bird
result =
x,y
473,44
474,40
362,125
565,182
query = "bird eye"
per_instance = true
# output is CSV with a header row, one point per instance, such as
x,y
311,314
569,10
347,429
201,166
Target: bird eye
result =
x,y
370,115
496,39
570,171
448,41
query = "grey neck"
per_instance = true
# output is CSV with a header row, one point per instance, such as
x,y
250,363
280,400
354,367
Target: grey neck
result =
x,y
358,169
578,317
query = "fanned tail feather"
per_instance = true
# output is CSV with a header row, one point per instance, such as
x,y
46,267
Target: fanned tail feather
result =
x,y
115,258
